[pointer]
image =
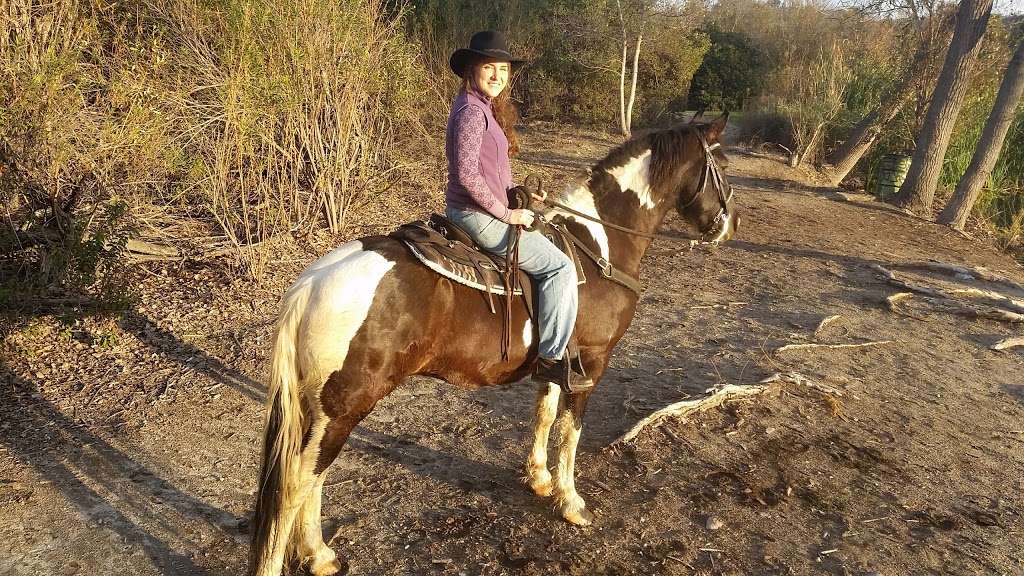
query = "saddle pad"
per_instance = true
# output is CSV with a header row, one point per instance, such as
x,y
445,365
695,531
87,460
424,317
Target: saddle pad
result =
x,y
463,273
468,266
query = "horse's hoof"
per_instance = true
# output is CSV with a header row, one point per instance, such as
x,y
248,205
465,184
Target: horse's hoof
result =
x,y
327,566
581,517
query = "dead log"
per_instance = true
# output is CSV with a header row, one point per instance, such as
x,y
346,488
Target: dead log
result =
x,y
142,251
970,272
794,347
951,302
1007,343
717,396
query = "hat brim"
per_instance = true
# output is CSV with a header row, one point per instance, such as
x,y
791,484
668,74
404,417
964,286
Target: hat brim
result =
x,y
458,60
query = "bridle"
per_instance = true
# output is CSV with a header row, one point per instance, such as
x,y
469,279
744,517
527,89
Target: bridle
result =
x,y
712,172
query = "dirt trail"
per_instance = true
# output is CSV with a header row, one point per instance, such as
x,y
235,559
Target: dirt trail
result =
x,y
128,445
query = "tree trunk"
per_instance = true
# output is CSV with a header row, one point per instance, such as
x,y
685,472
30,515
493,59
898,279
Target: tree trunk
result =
x,y
918,189
632,88
622,90
812,145
862,137
991,143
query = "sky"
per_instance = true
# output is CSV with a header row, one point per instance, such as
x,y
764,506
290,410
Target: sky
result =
x,y
1009,6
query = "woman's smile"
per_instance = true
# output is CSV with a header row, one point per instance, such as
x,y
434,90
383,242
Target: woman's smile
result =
x,y
492,77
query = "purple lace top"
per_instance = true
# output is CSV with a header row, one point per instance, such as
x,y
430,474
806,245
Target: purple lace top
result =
x,y
479,173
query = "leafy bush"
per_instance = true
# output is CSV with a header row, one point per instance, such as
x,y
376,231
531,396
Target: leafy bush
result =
x,y
731,73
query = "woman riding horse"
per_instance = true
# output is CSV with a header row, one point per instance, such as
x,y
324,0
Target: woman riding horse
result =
x,y
362,319
478,140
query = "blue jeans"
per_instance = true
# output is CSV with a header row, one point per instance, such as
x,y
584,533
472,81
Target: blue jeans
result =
x,y
552,270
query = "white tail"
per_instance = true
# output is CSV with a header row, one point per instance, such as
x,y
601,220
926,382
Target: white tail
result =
x,y
278,492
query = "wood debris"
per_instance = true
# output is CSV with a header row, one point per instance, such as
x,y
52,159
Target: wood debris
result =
x,y
825,322
794,347
1007,343
949,300
967,272
717,396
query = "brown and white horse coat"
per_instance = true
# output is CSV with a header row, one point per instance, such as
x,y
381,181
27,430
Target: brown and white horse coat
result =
x,y
361,319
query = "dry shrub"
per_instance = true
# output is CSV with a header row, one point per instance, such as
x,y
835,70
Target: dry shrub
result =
x,y
188,119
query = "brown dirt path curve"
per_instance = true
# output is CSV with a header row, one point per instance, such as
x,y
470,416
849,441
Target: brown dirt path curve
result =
x,y
128,445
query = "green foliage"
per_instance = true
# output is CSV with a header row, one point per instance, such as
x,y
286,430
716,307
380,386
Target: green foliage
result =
x,y
731,73
574,49
667,67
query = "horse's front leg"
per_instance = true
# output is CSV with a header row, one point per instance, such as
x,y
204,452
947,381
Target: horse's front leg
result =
x,y
537,475
572,506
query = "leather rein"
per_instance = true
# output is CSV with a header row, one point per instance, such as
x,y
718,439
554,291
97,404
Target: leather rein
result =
x,y
712,173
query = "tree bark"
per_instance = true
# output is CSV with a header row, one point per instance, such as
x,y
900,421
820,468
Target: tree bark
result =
x,y
864,133
918,189
863,136
622,89
632,88
991,144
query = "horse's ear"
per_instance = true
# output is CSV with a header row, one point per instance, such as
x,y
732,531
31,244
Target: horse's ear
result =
x,y
716,127
696,115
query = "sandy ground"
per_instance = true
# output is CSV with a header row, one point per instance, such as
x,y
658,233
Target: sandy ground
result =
x,y
128,443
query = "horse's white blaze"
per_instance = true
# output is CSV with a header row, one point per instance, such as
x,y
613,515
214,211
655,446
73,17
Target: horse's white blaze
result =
x,y
581,199
340,296
527,333
635,176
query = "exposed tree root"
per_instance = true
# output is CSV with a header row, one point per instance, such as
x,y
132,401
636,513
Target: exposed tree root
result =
x,y
1002,299
1008,343
949,300
717,396
825,322
969,272
792,347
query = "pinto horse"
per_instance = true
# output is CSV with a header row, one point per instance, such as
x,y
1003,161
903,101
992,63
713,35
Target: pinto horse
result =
x,y
364,317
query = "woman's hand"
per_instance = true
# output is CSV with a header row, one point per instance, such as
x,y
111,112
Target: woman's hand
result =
x,y
520,217
540,195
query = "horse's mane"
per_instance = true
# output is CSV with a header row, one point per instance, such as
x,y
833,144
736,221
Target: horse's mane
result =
x,y
667,148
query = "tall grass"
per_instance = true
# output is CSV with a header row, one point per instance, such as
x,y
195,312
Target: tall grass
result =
x,y
234,118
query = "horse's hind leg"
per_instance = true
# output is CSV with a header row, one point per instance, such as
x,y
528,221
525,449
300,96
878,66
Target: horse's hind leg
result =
x,y
570,424
356,402
310,548
537,474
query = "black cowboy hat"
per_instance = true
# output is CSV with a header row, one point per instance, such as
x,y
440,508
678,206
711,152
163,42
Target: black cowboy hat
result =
x,y
486,44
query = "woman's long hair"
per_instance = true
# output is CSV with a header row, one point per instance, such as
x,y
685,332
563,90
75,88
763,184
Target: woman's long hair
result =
x,y
505,112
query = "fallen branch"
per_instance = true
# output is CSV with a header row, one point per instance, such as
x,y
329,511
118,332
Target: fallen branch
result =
x,y
825,322
1004,300
893,300
141,251
951,302
687,407
801,380
970,272
1008,343
718,396
792,347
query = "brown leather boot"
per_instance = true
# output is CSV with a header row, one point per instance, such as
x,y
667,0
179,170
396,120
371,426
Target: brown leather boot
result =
x,y
570,379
